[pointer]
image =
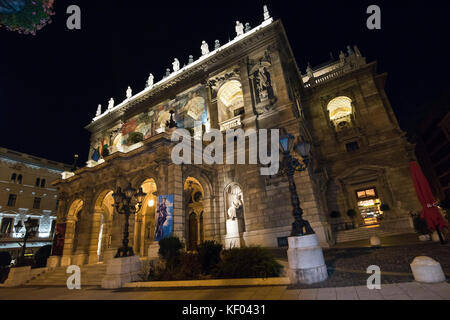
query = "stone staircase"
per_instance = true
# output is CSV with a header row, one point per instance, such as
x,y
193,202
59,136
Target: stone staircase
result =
x,y
91,275
362,234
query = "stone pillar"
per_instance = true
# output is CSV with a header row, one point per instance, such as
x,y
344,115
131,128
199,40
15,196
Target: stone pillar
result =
x,y
175,187
94,237
66,259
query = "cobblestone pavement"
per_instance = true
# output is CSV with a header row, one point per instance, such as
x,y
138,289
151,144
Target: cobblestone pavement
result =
x,y
400,291
348,266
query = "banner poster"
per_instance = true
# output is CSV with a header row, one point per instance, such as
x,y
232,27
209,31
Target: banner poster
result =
x,y
58,239
164,217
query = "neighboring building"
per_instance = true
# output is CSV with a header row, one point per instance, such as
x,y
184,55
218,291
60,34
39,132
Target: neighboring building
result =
x,y
433,145
360,155
26,192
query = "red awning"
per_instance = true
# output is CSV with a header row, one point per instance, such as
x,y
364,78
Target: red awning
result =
x,y
430,212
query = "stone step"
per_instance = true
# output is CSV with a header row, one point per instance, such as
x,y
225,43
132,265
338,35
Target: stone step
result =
x,y
90,275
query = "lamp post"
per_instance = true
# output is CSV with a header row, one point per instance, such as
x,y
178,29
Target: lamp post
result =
x,y
125,203
31,228
290,164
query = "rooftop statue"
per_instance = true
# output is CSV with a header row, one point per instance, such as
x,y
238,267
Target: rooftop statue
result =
x,y
247,27
176,65
150,80
129,92
191,59
239,29
99,110
205,48
309,71
111,103
217,45
266,13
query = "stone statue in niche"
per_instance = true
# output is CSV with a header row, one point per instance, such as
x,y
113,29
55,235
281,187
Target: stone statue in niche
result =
x,y
263,84
235,217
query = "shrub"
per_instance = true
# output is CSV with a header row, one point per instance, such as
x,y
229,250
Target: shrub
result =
x,y
5,259
169,250
189,267
351,213
209,255
248,262
420,225
41,256
335,214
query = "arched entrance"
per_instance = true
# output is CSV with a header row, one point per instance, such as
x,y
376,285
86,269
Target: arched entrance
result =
x,y
194,208
105,229
73,224
144,229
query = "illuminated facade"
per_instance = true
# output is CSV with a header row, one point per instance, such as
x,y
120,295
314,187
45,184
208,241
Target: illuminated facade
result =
x,y
252,82
26,192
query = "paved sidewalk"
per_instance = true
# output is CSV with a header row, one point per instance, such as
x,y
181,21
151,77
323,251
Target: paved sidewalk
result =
x,y
400,291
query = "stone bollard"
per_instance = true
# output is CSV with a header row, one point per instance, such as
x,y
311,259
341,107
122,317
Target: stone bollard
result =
x,y
428,270
375,241
306,262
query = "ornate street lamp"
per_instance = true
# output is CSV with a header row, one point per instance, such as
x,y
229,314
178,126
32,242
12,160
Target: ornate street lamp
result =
x,y
31,228
290,164
125,203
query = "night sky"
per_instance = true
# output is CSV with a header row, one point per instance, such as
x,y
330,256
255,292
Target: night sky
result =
x,y
51,83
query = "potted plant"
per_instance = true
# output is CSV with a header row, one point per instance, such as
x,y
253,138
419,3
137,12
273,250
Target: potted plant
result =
x,y
335,214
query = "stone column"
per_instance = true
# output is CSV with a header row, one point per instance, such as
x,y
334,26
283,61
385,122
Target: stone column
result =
x,y
66,259
94,237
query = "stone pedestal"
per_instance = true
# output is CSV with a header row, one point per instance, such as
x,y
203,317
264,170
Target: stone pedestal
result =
x,y
428,270
18,276
53,262
153,251
306,261
121,271
232,239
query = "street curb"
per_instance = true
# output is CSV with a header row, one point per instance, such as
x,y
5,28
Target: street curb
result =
x,y
209,283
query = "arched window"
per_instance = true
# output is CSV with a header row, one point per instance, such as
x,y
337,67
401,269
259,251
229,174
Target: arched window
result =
x,y
43,183
38,181
230,100
19,179
13,177
340,110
